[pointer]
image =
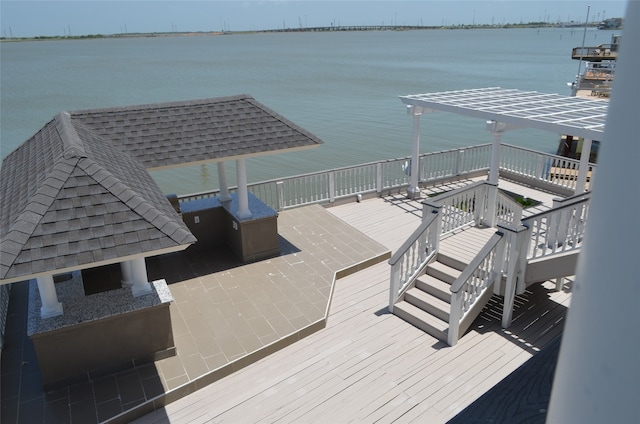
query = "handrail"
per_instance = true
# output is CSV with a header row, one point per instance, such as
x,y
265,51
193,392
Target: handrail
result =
x,y
476,262
414,255
572,201
476,278
557,230
411,240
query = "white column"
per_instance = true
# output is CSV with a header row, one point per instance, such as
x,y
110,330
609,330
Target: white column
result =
x,y
581,183
222,182
50,305
141,284
597,378
496,129
127,275
243,193
413,192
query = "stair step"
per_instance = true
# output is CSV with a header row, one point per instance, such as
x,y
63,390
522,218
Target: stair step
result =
x,y
443,272
435,287
451,261
421,319
428,303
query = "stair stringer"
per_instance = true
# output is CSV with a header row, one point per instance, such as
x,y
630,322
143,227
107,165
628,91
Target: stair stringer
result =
x,y
475,310
551,267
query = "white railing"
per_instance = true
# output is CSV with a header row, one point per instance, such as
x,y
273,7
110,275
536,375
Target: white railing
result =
x,y
328,186
414,255
508,211
541,167
471,205
376,177
461,207
559,229
451,163
474,282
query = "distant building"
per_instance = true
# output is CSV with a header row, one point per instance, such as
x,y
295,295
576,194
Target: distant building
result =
x,y
611,23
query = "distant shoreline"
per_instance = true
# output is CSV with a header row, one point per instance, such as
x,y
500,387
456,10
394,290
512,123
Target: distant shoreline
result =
x,y
310,29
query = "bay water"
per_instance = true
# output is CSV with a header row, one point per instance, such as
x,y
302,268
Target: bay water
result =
x,y
341,86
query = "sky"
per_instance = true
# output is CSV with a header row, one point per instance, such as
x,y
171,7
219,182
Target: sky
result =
x,y
29,18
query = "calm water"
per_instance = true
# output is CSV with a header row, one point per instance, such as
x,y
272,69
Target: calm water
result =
x,y
343,87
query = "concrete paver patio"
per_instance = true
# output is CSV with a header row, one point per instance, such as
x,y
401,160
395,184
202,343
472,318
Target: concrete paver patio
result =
x,y
226,315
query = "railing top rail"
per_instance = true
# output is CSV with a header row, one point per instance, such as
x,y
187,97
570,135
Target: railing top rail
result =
x,y
575,197
453,193
553,210
200,193
551,155
475,263
414,236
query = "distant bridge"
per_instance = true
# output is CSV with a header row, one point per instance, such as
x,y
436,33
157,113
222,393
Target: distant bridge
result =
x,y
353,28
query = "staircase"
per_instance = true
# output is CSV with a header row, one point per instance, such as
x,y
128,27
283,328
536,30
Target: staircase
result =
x,y
427,305
448,269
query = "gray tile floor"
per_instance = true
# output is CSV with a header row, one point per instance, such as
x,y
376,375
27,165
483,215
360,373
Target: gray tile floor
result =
x,y
226,315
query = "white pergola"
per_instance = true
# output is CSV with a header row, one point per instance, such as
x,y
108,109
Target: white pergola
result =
x,y
504,109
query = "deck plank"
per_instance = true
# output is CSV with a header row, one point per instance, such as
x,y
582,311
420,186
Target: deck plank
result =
x,y
316,378
368,364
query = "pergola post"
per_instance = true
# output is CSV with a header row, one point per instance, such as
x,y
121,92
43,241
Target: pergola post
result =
x,y
140,284
243,193
496,128
51,307
222,182
413,192
581,182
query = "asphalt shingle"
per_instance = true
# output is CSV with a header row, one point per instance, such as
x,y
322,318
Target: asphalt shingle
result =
x,y
169,134
78,191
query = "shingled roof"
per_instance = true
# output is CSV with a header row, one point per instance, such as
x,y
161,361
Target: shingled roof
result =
x,y
77,193
71,199
173,134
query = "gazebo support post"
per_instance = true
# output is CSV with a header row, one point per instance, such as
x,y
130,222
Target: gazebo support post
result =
x,y
141,284
222,182
243,193
127,273
51,307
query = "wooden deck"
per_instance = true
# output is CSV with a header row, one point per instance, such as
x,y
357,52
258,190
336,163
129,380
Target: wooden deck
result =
x,y
368,365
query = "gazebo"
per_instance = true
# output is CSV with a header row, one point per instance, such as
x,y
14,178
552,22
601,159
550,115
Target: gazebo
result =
x,y
77,196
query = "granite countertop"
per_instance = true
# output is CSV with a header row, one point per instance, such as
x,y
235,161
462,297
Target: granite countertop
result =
x,y
200,204
258,208
79,309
